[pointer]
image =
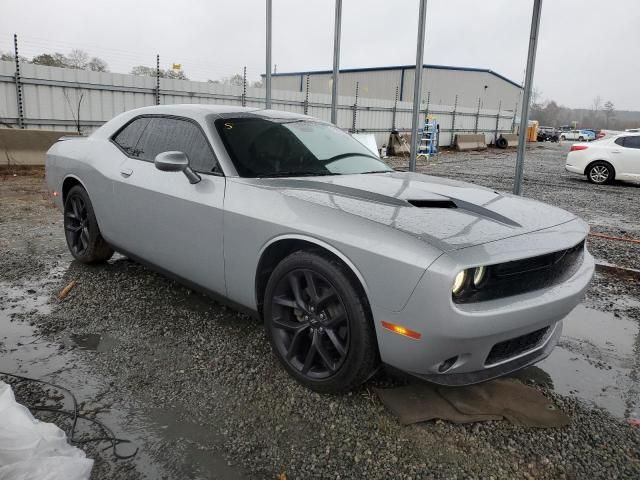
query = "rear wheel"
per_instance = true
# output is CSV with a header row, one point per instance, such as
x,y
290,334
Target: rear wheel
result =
x,y
562,137
318,323
600,173
581,139
81,228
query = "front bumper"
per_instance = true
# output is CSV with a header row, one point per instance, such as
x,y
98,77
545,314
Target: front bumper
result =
x,y
468,332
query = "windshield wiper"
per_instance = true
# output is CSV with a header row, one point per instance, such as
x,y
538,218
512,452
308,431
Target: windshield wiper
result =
x,y
295,174
352,154
376,171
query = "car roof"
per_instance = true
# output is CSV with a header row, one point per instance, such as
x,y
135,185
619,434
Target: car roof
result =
x,y
198,109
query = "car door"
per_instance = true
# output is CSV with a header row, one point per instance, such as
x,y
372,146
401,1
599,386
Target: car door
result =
x,y
164,219
628,156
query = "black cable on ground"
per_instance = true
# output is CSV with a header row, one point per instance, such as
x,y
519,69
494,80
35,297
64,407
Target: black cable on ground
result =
x,y
109,435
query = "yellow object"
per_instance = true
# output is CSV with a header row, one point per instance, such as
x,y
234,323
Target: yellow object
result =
x,y
176,66
400,330
532,131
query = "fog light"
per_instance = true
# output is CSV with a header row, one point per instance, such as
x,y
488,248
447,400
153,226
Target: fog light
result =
x,y
447,364
478,275
458,282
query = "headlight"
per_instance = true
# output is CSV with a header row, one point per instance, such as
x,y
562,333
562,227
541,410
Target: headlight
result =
x,y
458,282
478,275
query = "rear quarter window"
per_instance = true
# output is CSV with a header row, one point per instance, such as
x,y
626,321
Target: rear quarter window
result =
x,y
128,137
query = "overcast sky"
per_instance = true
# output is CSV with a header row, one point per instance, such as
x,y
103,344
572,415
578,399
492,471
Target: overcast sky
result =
x,y
587,47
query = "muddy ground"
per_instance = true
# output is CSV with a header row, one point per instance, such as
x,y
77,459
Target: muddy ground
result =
x,y
196,390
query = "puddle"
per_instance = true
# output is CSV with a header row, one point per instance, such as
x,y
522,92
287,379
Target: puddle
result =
x,y
596,360
23,352
90,341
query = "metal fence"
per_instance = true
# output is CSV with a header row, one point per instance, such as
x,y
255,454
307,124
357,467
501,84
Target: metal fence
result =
x,y
35,96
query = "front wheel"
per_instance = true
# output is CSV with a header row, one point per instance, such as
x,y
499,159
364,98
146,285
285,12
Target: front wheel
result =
x,y
81,228
319,324
581,139
562,137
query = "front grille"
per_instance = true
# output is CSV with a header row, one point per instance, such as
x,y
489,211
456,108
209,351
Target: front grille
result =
x,y
526,275
514,347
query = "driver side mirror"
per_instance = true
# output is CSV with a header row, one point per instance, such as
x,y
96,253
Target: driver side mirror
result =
x,y
176,162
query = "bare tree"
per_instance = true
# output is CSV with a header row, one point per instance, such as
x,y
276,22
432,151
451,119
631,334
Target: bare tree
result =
x,y
609,111
596,104
78,59
75,109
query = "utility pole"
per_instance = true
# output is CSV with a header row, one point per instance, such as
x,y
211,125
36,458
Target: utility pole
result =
x,y
417,85
528,82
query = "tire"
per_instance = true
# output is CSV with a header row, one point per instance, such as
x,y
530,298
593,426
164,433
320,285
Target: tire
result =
x,y
81,228
562,137
600,173
324,335
502,142
581,139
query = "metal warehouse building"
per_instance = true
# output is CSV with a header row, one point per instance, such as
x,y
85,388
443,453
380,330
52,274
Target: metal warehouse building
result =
x,y
441,83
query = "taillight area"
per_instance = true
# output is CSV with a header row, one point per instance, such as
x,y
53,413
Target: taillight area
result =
x,y
575,148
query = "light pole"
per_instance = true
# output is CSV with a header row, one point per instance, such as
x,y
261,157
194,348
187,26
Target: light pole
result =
x,y
336,62
528,82
417,85
267,77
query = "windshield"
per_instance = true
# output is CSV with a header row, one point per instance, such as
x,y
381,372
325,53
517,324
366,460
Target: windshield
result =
x,y
262,147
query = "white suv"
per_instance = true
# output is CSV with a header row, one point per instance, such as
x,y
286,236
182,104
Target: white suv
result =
x,y
604,160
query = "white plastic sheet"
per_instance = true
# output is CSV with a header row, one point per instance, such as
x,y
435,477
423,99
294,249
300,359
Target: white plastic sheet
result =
x,y
35,450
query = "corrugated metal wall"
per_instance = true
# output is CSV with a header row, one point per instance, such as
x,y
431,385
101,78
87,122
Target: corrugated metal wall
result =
x,y
57,98
443,85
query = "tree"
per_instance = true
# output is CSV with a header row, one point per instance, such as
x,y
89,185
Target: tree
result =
x,y
97,65
609,112
10,57
78,59
596,104
145,71
49,60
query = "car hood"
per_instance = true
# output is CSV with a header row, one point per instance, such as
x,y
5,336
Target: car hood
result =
x,y
448,214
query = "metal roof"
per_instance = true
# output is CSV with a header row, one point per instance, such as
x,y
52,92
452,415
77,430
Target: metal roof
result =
x,y
398,67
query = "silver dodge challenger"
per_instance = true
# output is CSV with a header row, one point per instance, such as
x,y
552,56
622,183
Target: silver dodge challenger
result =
x,y
350,264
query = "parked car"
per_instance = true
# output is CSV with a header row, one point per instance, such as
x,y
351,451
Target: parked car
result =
x,y
347,261
592,134
606,160
547,134
579,135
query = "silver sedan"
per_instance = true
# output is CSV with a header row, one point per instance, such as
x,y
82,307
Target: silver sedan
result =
x,y
349,263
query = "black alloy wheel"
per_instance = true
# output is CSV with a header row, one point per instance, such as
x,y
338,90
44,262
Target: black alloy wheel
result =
x,y
76,225
318,322
310,325
81,229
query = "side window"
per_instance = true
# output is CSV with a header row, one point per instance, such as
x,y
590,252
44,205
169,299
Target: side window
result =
x,y
632,142
620,141
128,137
167,134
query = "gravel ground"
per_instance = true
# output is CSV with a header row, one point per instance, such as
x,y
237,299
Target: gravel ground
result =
x,y
196,388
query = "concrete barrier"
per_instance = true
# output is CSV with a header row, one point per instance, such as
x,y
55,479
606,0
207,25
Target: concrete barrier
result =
x,y
511,140
26,147
470,141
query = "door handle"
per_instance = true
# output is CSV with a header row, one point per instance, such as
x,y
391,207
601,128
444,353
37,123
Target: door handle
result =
x,y
126,172
615,151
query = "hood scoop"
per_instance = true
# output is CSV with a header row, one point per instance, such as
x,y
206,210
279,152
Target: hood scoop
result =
x,y
433,203
479,210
